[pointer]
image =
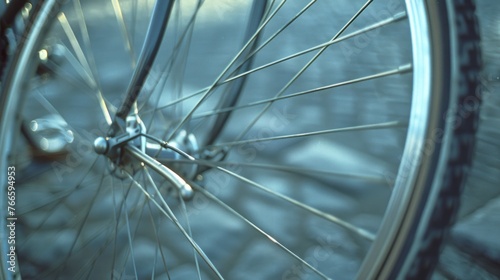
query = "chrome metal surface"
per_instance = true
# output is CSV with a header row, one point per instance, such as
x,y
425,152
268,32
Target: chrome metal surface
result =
x,y
417,130
185,190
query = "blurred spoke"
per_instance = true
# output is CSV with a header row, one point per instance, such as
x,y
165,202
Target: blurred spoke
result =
x,y
276,167
393,19
59,267
258,229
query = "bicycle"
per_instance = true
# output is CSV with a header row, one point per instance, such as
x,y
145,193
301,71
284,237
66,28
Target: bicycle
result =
x,y
210,163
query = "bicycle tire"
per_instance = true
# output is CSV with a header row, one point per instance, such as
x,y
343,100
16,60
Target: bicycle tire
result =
x,y
413,244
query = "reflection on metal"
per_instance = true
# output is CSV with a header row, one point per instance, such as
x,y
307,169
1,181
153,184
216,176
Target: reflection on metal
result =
x,y
50,134
184,188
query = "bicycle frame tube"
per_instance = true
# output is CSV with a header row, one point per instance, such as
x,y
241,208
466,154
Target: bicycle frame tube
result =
x,y
154,36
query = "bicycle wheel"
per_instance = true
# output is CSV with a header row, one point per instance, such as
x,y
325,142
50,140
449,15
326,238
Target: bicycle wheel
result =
x,y
342,155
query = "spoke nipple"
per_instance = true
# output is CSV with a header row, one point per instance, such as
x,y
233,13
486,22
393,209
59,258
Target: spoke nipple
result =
x,y
100,145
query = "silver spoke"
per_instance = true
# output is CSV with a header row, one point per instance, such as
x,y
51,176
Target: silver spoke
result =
x,y
124,30
188,226
129,233
167,212
258,229
329,217
400,70
91,60
304,68
276,167
156,231
23,211
172,59
177,101
77,66
84,62
75,45
86,213
272,37
206,89
117,222
224,72
382,23
383,125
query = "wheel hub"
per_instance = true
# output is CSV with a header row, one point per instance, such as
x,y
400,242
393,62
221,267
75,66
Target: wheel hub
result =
x,y
167,154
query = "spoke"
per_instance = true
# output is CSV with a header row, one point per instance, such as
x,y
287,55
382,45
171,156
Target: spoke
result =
x,y
129,234
122,208
309,63
171,61
284,168
156,231
224,72
383,125
77,66
182,54
393,19
90,264
61,266
272,37
167,212
329,217
91,59
117,222
184,211
258,229
88,267
382,23
361,232
180,57
87,80
176,101
112,238
400,70
83,61
59,199
68,30
123,28
64,194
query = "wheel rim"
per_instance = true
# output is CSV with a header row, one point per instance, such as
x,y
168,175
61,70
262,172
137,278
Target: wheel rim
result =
x,y
301,264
